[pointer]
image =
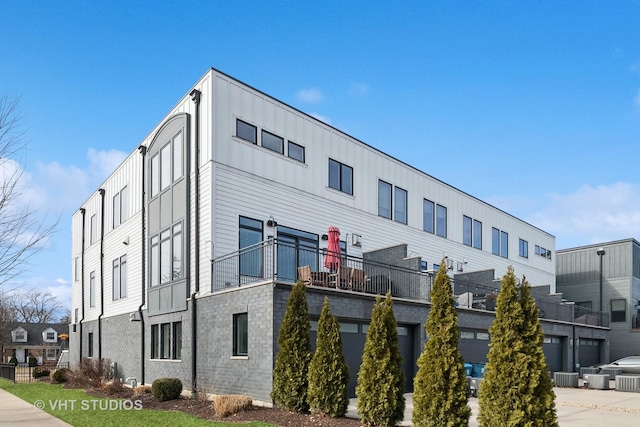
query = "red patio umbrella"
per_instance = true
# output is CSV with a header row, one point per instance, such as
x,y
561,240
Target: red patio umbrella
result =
x,y
333,257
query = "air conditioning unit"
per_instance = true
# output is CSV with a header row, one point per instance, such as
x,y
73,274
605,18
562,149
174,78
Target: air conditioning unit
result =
x,y
565,379
587,371
612,372
628,383
597,381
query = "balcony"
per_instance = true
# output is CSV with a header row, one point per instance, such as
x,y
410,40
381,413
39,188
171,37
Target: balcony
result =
x,y
272,261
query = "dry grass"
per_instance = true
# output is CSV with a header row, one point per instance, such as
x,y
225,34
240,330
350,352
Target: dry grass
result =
x,y
230,404
141,390
112,387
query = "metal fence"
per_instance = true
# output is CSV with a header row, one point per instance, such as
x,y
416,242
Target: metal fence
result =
x,y
23,373
272,260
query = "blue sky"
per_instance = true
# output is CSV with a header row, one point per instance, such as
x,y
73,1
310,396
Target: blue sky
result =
x,y
531,106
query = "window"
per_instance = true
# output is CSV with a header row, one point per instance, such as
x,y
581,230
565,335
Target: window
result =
x,y
90,344
427,215
240,334
467,335
400,212
166,255
120,207
441,221
94,229
19,336
51,354
384,199
467,230
76,269
504,244
523,248
537,250
499,243
340,177
177,340
619,310
246,131
585,304
119,278
92,289
477,234
167,166
166,340
272,142
296,151
51,336
484,336
75,316
177,157
250,235
155,340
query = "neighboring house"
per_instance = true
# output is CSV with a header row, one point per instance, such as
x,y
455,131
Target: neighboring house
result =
x,y
40,340
184,258
616,266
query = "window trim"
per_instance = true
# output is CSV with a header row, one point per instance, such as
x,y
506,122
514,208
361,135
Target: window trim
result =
x,y
440,233
397,205
467,231
249,125
523,248
341,179
238,339
92,289
280,139
431,220
302,148
615,314
383,185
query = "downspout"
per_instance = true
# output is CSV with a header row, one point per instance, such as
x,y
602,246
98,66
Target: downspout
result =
x,y
195,97
143,151
102,203
83,212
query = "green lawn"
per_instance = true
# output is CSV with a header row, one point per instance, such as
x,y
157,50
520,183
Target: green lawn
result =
x,y
79,410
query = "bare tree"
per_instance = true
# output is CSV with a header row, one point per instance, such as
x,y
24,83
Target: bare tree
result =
x,y
65,317
22,231
37,306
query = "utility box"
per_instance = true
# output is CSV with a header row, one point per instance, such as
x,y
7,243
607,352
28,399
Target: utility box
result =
x,y
597,381
565,379
628,383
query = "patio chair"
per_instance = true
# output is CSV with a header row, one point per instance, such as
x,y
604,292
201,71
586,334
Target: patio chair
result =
x,y
357,280
340,279
304,273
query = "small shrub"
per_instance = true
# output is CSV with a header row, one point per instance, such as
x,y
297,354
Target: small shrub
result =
x,y
59,376
226,405
91,372
166,388
13,361
112,387
39,373
33,362
141,390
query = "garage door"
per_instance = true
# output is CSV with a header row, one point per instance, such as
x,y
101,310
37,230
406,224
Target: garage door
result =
x,y
589,352
552,348
474,346
354,335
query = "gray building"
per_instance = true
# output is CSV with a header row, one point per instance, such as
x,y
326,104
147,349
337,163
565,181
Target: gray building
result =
x,y
606,277
184,258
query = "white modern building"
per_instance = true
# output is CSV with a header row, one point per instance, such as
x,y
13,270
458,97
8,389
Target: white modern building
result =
x,y
183,259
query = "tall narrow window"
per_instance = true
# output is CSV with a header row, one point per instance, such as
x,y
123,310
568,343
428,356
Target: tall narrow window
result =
x,y
495,241
120,207
76,269
400,212
94,229
165,341
154,262
90,344
240,334
477,234
384,199
467,225
116,210
155,341
92,289
177,341
177,157
250,235
165,167
340,176
115,279
155,175
504,244
441,221
165,257
427,215
177,252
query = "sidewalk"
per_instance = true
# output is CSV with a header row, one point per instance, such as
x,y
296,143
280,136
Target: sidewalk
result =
x,y
16,412
575,407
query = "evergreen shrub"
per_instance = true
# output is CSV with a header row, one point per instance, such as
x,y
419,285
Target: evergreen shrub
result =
x,y
166,388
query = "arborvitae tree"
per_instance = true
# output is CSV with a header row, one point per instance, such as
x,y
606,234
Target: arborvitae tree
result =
x,y
328,371
516,389
440,386
290,375
381,381
541,410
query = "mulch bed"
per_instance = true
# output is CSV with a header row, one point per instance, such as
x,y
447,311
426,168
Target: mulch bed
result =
x,y
204,409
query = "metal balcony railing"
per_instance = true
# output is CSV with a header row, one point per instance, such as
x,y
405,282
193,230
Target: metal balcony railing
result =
x,y
272,260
